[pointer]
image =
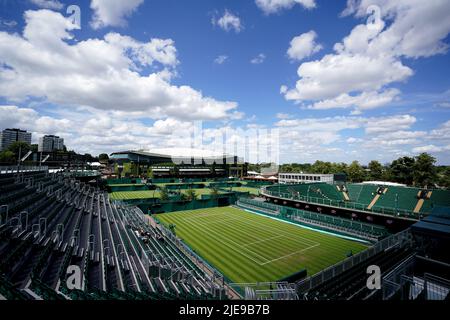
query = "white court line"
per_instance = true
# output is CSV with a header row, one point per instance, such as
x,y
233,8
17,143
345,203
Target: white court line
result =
x,y
233,247
239,218
203,215
217,221
290,254
237,245
262,240
251,221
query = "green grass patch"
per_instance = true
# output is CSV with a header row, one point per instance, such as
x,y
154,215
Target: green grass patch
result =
x,y
127,185
254,191
247,247
131,195
145,194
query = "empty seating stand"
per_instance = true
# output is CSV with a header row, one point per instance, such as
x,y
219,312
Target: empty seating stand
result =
x,y
50,222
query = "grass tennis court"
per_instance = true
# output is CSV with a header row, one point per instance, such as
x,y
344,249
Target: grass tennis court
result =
x,y
254,191
144,194
130,195
247,247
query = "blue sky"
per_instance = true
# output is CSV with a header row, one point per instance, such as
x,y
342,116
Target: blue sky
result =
x,y
334,87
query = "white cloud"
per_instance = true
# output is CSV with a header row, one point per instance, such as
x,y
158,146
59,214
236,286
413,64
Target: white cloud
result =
x,y
430,148
303,46
444,104
221,59
352,140
8,23
363,101
112,12
334,75
283,116
258,59
48,4
369,60
100,73
95,131
273,6
228,21
390,123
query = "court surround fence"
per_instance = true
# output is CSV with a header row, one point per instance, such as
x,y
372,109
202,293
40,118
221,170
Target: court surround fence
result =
x,y
334,224
401,239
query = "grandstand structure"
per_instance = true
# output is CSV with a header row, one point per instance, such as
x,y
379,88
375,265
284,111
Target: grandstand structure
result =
x,y
395,207
190,163
51,223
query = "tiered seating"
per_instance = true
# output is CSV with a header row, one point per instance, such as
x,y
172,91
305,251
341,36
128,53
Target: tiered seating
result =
x,y
352,283
362,193
438,198
392,200
407,198
53,222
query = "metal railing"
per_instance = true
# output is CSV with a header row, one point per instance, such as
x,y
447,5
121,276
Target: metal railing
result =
x,y
15,169
400,239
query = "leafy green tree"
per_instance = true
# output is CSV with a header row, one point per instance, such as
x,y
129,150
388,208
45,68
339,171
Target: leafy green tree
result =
x,y
19,147
164,194
402,170
444,178
424,171
376,170
214,192
7,157
355,172
103,157
322,167
191,194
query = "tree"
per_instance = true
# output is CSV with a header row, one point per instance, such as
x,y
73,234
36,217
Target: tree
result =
x,y
191,194
322,167
402,170
214,192
103,157
7,157
424,171
444,178
19,147
163,194
355,172
376,170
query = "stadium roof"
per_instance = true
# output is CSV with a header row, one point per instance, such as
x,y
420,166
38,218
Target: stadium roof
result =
x,y
438,222
179,155
188,152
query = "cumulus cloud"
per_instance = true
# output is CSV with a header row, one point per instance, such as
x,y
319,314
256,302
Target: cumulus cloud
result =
x,y
274,6
112,12
228,21
303,46
369,60
95,131
48,4
101,73
221,59
260,58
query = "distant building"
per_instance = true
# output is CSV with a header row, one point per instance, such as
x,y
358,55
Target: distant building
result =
x,y
9,136
182,163
50,143
310,177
